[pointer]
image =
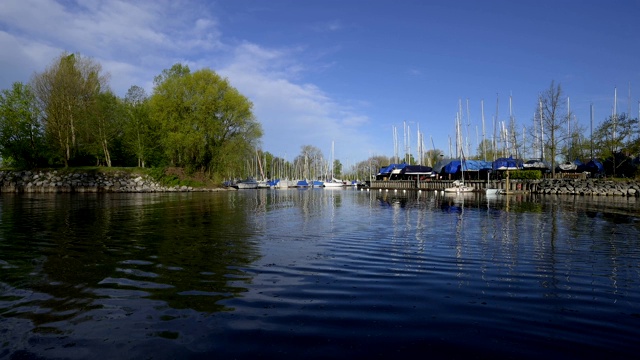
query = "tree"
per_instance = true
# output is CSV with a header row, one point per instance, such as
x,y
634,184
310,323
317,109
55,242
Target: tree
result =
x,y
21,136
337,168
310,163
576,146
370,167
140,133
485,150
66,91
206,124
409,159
103,127
550,111
617,134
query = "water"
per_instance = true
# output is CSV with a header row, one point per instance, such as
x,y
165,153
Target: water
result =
x,y
318,274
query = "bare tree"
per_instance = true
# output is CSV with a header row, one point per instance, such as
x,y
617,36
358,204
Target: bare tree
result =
x,y
310,162
550,108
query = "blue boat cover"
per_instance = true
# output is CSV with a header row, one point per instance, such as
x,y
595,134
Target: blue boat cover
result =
x,y
509,163
416,169
388,169
454,166
593,166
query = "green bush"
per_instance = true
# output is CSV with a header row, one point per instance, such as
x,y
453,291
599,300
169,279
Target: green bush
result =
x,y
525,174
164,178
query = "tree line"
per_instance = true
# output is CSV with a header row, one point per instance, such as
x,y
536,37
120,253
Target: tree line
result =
x,y
553,135
67,116
556,136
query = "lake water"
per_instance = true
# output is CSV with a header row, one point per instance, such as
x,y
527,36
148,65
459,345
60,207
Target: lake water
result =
x,y
318,274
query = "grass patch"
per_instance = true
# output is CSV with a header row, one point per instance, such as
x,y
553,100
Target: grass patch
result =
x,y
173,176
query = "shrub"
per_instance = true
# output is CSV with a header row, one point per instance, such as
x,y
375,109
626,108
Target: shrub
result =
x,y
525,174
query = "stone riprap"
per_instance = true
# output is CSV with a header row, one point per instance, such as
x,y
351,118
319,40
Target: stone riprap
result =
x,y
66,182
597,187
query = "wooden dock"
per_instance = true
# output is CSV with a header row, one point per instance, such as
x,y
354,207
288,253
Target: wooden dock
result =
x,y
436,185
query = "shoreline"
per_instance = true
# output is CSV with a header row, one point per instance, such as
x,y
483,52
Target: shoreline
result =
x,y
582,187
54,181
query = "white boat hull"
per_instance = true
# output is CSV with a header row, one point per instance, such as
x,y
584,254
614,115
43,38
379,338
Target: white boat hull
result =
x,y
459,189
247,185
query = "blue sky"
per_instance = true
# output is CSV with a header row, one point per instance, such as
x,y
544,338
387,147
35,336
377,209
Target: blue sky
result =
x,y
349,71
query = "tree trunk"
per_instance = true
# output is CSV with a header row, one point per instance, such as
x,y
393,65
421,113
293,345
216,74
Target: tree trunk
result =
x,y
107,156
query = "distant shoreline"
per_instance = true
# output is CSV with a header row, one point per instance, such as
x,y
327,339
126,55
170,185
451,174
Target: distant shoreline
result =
x,y
78,181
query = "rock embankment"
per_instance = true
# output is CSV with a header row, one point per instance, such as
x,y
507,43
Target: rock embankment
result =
x,y
598,187
66,182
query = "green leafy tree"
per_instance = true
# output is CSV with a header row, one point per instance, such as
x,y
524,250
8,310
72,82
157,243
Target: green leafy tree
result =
x,y
21,135
206,123
103,127
66,92
576,146
485,151
140,133
337,168
618,133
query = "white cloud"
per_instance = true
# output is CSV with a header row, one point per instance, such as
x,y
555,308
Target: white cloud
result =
x,y
329,26
292,114
135,41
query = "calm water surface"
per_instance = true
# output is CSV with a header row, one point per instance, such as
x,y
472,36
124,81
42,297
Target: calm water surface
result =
x,y
318,274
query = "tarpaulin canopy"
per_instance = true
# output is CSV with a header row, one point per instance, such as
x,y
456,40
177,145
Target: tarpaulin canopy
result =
x,y
455,166
507,164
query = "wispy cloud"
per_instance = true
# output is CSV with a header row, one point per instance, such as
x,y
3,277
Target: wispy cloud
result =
x,y
328,26
285,107
135,41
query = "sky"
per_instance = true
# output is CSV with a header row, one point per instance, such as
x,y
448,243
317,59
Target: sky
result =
x,y
347,72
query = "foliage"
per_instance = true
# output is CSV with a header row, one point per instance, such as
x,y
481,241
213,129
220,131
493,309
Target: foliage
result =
x,y
205,123
485,151
140,133
66,93
21,135
166,177
337,168
102,127
613,138
619,164
525,174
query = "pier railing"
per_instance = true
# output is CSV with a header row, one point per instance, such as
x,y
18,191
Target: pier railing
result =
x,y
479,185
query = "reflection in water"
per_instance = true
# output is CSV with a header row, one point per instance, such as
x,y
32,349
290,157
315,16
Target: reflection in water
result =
x,y
73,251
317,273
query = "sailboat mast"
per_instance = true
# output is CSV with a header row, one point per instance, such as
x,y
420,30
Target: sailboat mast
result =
x,y
569,139
541,132
484,149
615,115
591,128
495,124
468,124
332,154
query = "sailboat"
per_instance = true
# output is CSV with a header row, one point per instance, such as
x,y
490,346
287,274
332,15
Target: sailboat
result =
x,y
332,182
458,185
